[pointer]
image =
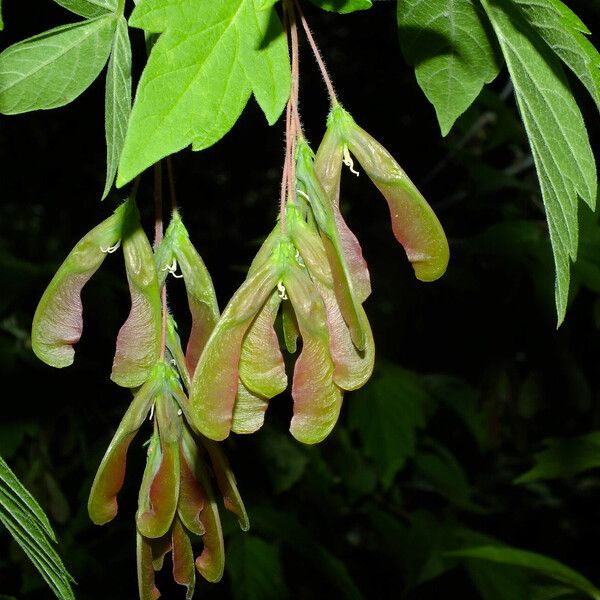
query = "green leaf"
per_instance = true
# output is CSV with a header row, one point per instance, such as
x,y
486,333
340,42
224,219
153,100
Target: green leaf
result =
x,y
255,569
117,100
440,469
564,458
564,32
387,413
89,8
200,74
29,526
449,44
343,6
531,560
1,19
53,68
557,135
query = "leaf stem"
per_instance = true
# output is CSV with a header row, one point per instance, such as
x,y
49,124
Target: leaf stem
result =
x,y
317,54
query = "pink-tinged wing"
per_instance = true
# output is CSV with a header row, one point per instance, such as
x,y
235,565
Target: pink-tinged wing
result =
x,y
262,369
414,223
289,324
328,166
227,484
58,319
102,503
138,342
352,369
159,492
191,495
202,299
317,399
211,562
160,548
183,559
145,570
215,382
248,411
322,209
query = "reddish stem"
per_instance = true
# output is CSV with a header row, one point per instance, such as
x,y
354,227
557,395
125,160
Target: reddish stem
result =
x,y
317,54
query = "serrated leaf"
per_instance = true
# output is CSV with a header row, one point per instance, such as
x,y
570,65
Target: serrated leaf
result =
x,y
386,414
449,44
556,131
343,6
531,560
53,68
200,74
89,8
564,458
117,100
564,32
29,526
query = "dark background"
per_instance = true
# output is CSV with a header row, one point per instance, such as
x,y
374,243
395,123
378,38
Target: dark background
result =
x,y
471,367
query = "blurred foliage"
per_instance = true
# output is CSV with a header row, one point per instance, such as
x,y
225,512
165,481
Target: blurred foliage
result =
x,y
474,388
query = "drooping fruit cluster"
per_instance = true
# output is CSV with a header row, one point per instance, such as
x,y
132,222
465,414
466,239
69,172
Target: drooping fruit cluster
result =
x,y
309,272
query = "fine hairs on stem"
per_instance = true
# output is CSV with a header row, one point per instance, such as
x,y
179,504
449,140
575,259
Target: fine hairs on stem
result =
x,y
317,54
293,127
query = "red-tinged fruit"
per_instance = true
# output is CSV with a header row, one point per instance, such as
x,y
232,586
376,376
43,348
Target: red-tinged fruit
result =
x,y
139,339
58,319
102,502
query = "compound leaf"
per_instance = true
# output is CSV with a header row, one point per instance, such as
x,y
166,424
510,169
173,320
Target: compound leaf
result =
x,y
449,44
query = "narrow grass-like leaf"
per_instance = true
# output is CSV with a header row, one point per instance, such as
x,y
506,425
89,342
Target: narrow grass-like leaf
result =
x,y
556,131
564,32
449,44
53,68
89,8
209,58
531,560
29,526
117,100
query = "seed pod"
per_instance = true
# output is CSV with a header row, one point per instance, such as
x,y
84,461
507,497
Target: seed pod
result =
x,y
211,562
102,503
352,368
413,221
183,559
191,496
322,208
202,299
215,382
317,399
145,569
227,484
58,319
328,167
159,491
139,339
291,333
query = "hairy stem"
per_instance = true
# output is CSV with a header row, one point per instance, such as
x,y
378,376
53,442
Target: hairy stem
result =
x,y
317,54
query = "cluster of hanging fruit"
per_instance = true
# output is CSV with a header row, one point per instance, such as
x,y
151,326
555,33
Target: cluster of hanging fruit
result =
x,y
309,273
